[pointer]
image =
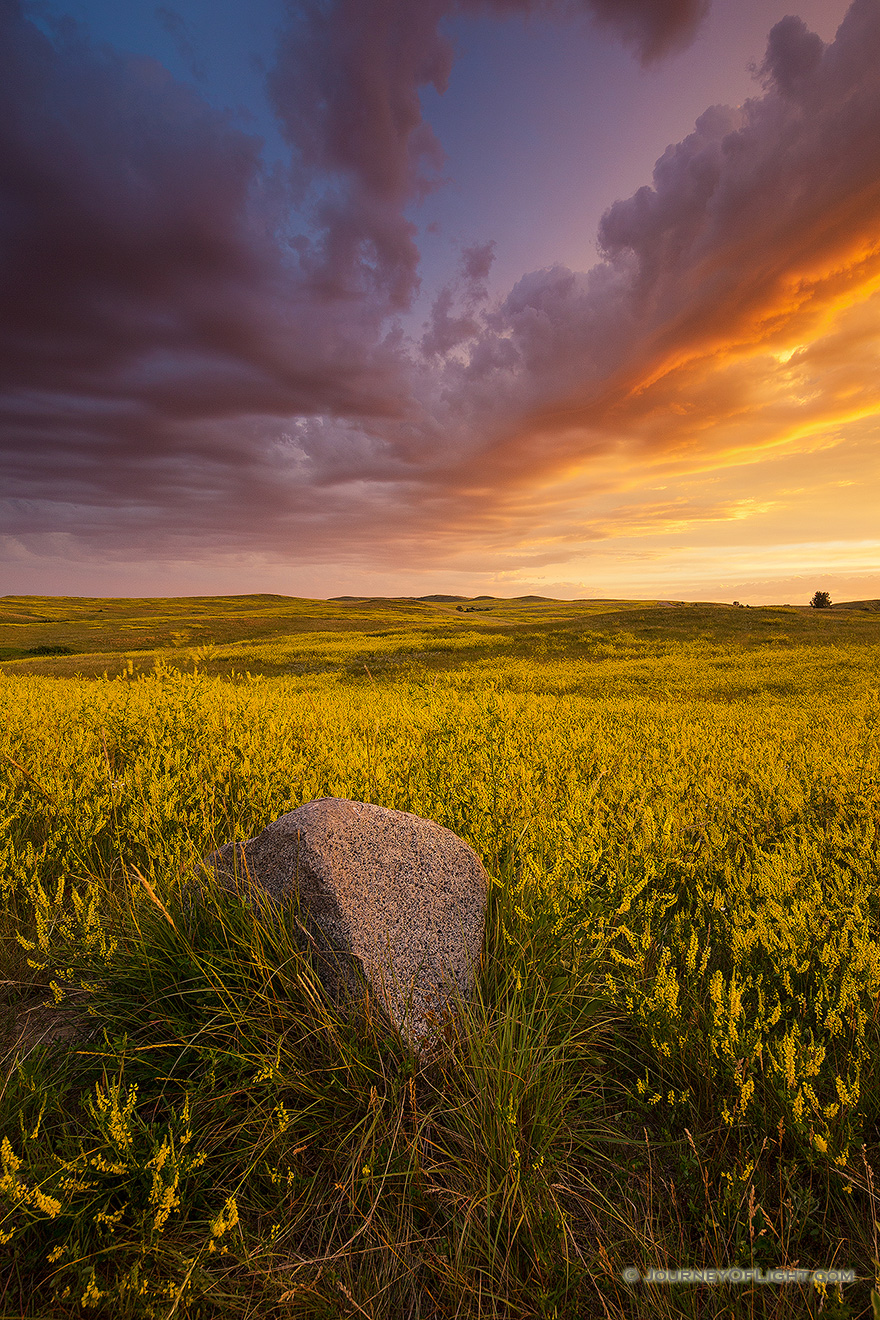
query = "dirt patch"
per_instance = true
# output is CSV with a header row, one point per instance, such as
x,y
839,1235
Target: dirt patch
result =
x,y
27,1025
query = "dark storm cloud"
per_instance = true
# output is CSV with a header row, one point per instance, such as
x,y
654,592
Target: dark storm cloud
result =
x,y
165,310
144,278
140,257
194,351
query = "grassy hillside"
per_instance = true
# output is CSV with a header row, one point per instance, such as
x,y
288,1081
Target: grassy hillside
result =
x,y
281,635
673,1056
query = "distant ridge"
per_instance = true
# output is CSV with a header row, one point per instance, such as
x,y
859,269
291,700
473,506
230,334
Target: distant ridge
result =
x,y
450,600
869,606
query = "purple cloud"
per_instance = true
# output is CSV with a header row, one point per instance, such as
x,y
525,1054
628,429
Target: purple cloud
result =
x,y
195,351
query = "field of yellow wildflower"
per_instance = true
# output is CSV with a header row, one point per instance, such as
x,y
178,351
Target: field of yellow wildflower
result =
x,y
672,1062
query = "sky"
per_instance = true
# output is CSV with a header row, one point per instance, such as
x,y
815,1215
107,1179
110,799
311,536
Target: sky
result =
x,y
395,297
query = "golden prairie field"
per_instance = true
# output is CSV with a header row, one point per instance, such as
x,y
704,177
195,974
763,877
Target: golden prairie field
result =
x,y
672,1057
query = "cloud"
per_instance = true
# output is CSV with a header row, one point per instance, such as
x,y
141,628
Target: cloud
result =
x,y
758,235
142,254
346,90
151,307
197,352
653,27
174,24
168,305
446,330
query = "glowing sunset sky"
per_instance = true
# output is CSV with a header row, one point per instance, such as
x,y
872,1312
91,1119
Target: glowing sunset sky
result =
x,y
403,296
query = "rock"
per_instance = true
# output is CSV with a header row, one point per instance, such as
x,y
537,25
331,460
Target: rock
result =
x,y
403,896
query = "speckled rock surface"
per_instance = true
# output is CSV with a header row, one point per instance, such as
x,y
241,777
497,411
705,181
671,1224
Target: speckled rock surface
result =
x,y
404,896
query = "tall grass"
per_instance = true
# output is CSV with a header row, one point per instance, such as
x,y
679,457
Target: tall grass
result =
x,y
670,1058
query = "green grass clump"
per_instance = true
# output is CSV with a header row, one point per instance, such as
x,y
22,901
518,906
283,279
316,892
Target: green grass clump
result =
x,y
671,1058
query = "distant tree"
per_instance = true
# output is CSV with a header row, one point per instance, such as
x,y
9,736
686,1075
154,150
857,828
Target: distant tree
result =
x,y
821,600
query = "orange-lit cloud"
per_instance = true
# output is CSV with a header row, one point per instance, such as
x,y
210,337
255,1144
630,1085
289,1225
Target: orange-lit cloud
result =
x,y
737,308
